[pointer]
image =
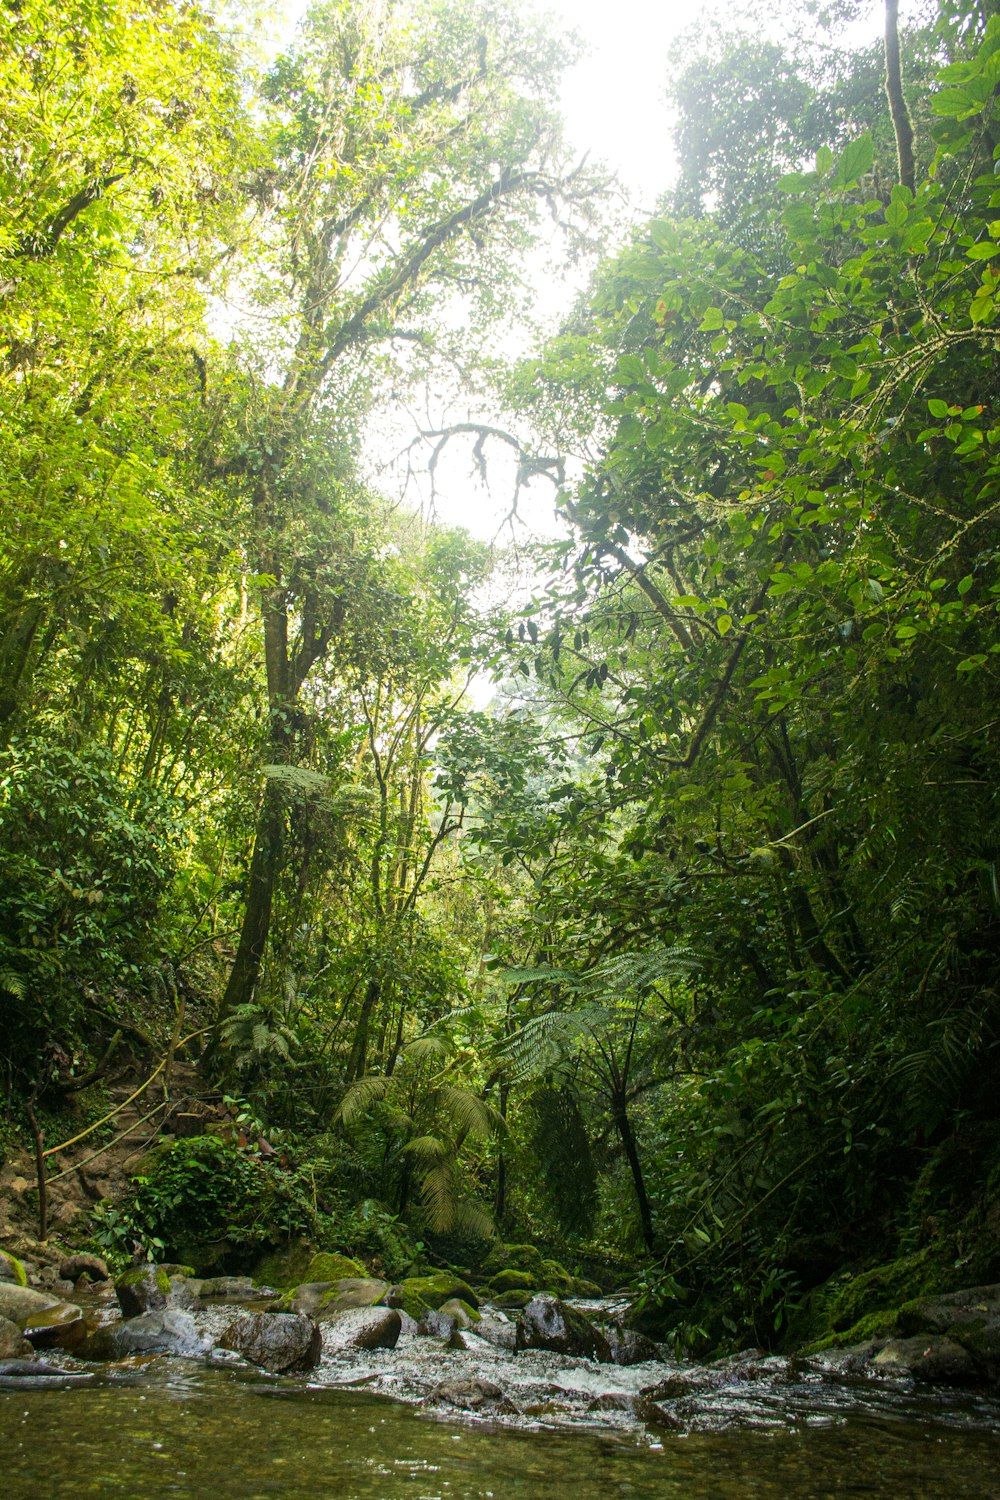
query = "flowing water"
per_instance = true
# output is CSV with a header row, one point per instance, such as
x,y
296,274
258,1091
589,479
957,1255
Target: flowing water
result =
x,y
166,1429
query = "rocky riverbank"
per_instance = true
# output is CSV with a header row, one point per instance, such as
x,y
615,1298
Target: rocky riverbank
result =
x,y
439,1341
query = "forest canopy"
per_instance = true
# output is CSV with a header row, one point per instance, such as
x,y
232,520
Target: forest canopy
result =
x,y
680,955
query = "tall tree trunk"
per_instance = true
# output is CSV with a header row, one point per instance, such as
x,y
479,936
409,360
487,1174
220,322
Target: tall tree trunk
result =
x,y
897,104
264,866
359,1051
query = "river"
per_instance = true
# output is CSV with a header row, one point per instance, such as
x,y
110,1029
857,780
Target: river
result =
x,y
168,1429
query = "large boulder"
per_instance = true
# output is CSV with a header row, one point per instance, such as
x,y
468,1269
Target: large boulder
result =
x,y
360,1328
419,1294
465,1315
547,1323
58,1327
17,1302
278,1342
929,1358
628,1347
314,1297
162,1331
326,1266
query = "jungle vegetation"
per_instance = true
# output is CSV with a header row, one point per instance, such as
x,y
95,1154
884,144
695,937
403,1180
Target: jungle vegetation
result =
x,y
681,956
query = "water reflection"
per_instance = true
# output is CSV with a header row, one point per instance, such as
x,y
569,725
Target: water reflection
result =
x,y
215,1434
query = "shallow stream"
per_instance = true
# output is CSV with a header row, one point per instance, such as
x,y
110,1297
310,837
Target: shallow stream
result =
x,y
165,1429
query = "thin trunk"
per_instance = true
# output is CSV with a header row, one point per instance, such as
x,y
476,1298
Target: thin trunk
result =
x,y
619,1110
359,1051
264,866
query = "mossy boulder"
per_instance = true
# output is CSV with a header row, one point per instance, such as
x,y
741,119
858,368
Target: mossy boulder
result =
x,y
850,1309
515,1258
12,1270
327,1266
513,1281
287,1266
419,1294
464,1313
514,1301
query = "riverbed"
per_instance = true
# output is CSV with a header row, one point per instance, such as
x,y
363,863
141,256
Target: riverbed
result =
x,y
168,1429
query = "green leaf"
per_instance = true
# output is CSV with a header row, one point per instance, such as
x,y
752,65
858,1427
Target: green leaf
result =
x,y
713,319
856,159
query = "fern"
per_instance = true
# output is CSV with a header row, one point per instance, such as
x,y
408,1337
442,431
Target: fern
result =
x,y
361,1096
13,983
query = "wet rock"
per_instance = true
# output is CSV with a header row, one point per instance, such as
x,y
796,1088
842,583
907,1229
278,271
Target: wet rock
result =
x,y
435,1324
474,1395
547,1323
13,1344
278,1342
753,1364
613,1401
58,1327
162,1331
680,1383
497,1329
929,1358
334,1296
26,1374
360,1328
17,1302
629,1347
514,1301
150,1289
970,1317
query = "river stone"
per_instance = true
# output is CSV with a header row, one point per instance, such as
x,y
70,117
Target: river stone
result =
x,y
278,1342
417,1294
17,1302
474,1395
629,1347
360,1328
464,1315
27,1374
142,1289
547,1323
162,1331
435,1324
354,1291
513,1281
90,1266
929,1358
59,1327
13,1344
228,1289
496,1329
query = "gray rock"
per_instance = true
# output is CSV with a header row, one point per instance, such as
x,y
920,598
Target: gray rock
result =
x,y
13,1344
629,1347
497,1329
360,1328
464,1316
354,1291
90,1266
163,1331
26,1374
278,1342
227,1289
547,1323
17,1302
11,1269
151,1288
436,1324
929,1358
58,1327
474,1395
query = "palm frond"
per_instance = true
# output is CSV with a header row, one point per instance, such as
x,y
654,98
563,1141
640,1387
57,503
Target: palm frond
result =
x,y
426,1049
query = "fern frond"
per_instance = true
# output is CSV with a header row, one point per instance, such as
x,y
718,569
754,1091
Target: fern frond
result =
x,y
471,1114
426,1049
427,1149
437,1193
360,1097
13,983
472,1220
547,1042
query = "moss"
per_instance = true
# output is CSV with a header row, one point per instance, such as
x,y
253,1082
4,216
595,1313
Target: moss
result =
x,y
420,1294
14,1267
833,1314
285,1267
330,1267
514,1301
516,1258
456,1304
875,1326
513,1281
